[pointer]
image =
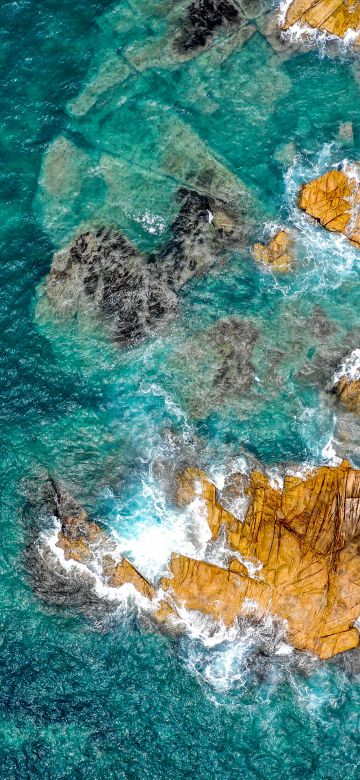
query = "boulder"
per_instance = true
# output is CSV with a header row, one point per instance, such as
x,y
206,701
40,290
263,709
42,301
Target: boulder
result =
x,y
278,253
333,200
336,17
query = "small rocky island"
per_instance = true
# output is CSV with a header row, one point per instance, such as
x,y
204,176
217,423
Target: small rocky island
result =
x,y
295,555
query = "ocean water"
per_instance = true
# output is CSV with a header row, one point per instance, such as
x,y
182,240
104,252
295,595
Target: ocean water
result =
x,y
103,122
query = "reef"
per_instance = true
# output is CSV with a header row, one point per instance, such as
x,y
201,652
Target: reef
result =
x,y
278,253
295,556
102,275
216,366
336,17
333,200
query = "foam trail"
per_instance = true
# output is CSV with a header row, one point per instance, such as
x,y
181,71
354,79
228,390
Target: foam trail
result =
x,y
125,595
221,656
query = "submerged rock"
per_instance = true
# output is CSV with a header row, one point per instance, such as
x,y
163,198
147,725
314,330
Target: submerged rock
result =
x,y
101,274
203,229
333,200
203,18
336,17
215,366
295,556
277,254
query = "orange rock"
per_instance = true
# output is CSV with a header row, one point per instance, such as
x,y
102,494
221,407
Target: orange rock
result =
x,y
336,17
303,541
79,537
277,254
306,538
333,200
348,392
123,572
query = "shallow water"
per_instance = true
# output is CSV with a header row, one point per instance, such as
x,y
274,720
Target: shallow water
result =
x,y
92,696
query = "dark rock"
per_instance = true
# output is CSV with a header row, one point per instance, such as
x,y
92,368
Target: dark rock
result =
x,y
102,275
204,18
203,229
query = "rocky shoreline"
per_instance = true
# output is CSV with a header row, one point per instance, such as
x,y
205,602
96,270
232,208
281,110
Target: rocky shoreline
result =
x,y
294,555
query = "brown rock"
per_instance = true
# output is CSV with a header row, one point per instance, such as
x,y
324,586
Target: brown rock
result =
x,y
348,392
79,537
335,17
307,538
278,254
303,540
333,200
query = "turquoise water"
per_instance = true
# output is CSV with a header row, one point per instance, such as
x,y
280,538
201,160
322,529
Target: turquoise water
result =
x,y
93,696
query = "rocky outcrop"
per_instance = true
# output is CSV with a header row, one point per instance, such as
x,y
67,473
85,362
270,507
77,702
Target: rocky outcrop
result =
x,y
333,200
85,542
336,17
306,537
347,382
348,392
296,555
102,275
277,254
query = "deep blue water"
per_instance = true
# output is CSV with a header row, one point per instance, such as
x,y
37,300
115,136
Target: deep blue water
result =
x,y
86,697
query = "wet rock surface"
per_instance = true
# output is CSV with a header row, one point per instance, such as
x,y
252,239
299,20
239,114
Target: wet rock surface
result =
x,y
336,17
333,200
101,274
347,382
295,556
305,537
278,253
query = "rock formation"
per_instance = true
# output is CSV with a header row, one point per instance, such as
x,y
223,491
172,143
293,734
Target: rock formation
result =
x,y
306,537
277,254
83,541
333,200
336,17
348,392
296,556
347,382
102,275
